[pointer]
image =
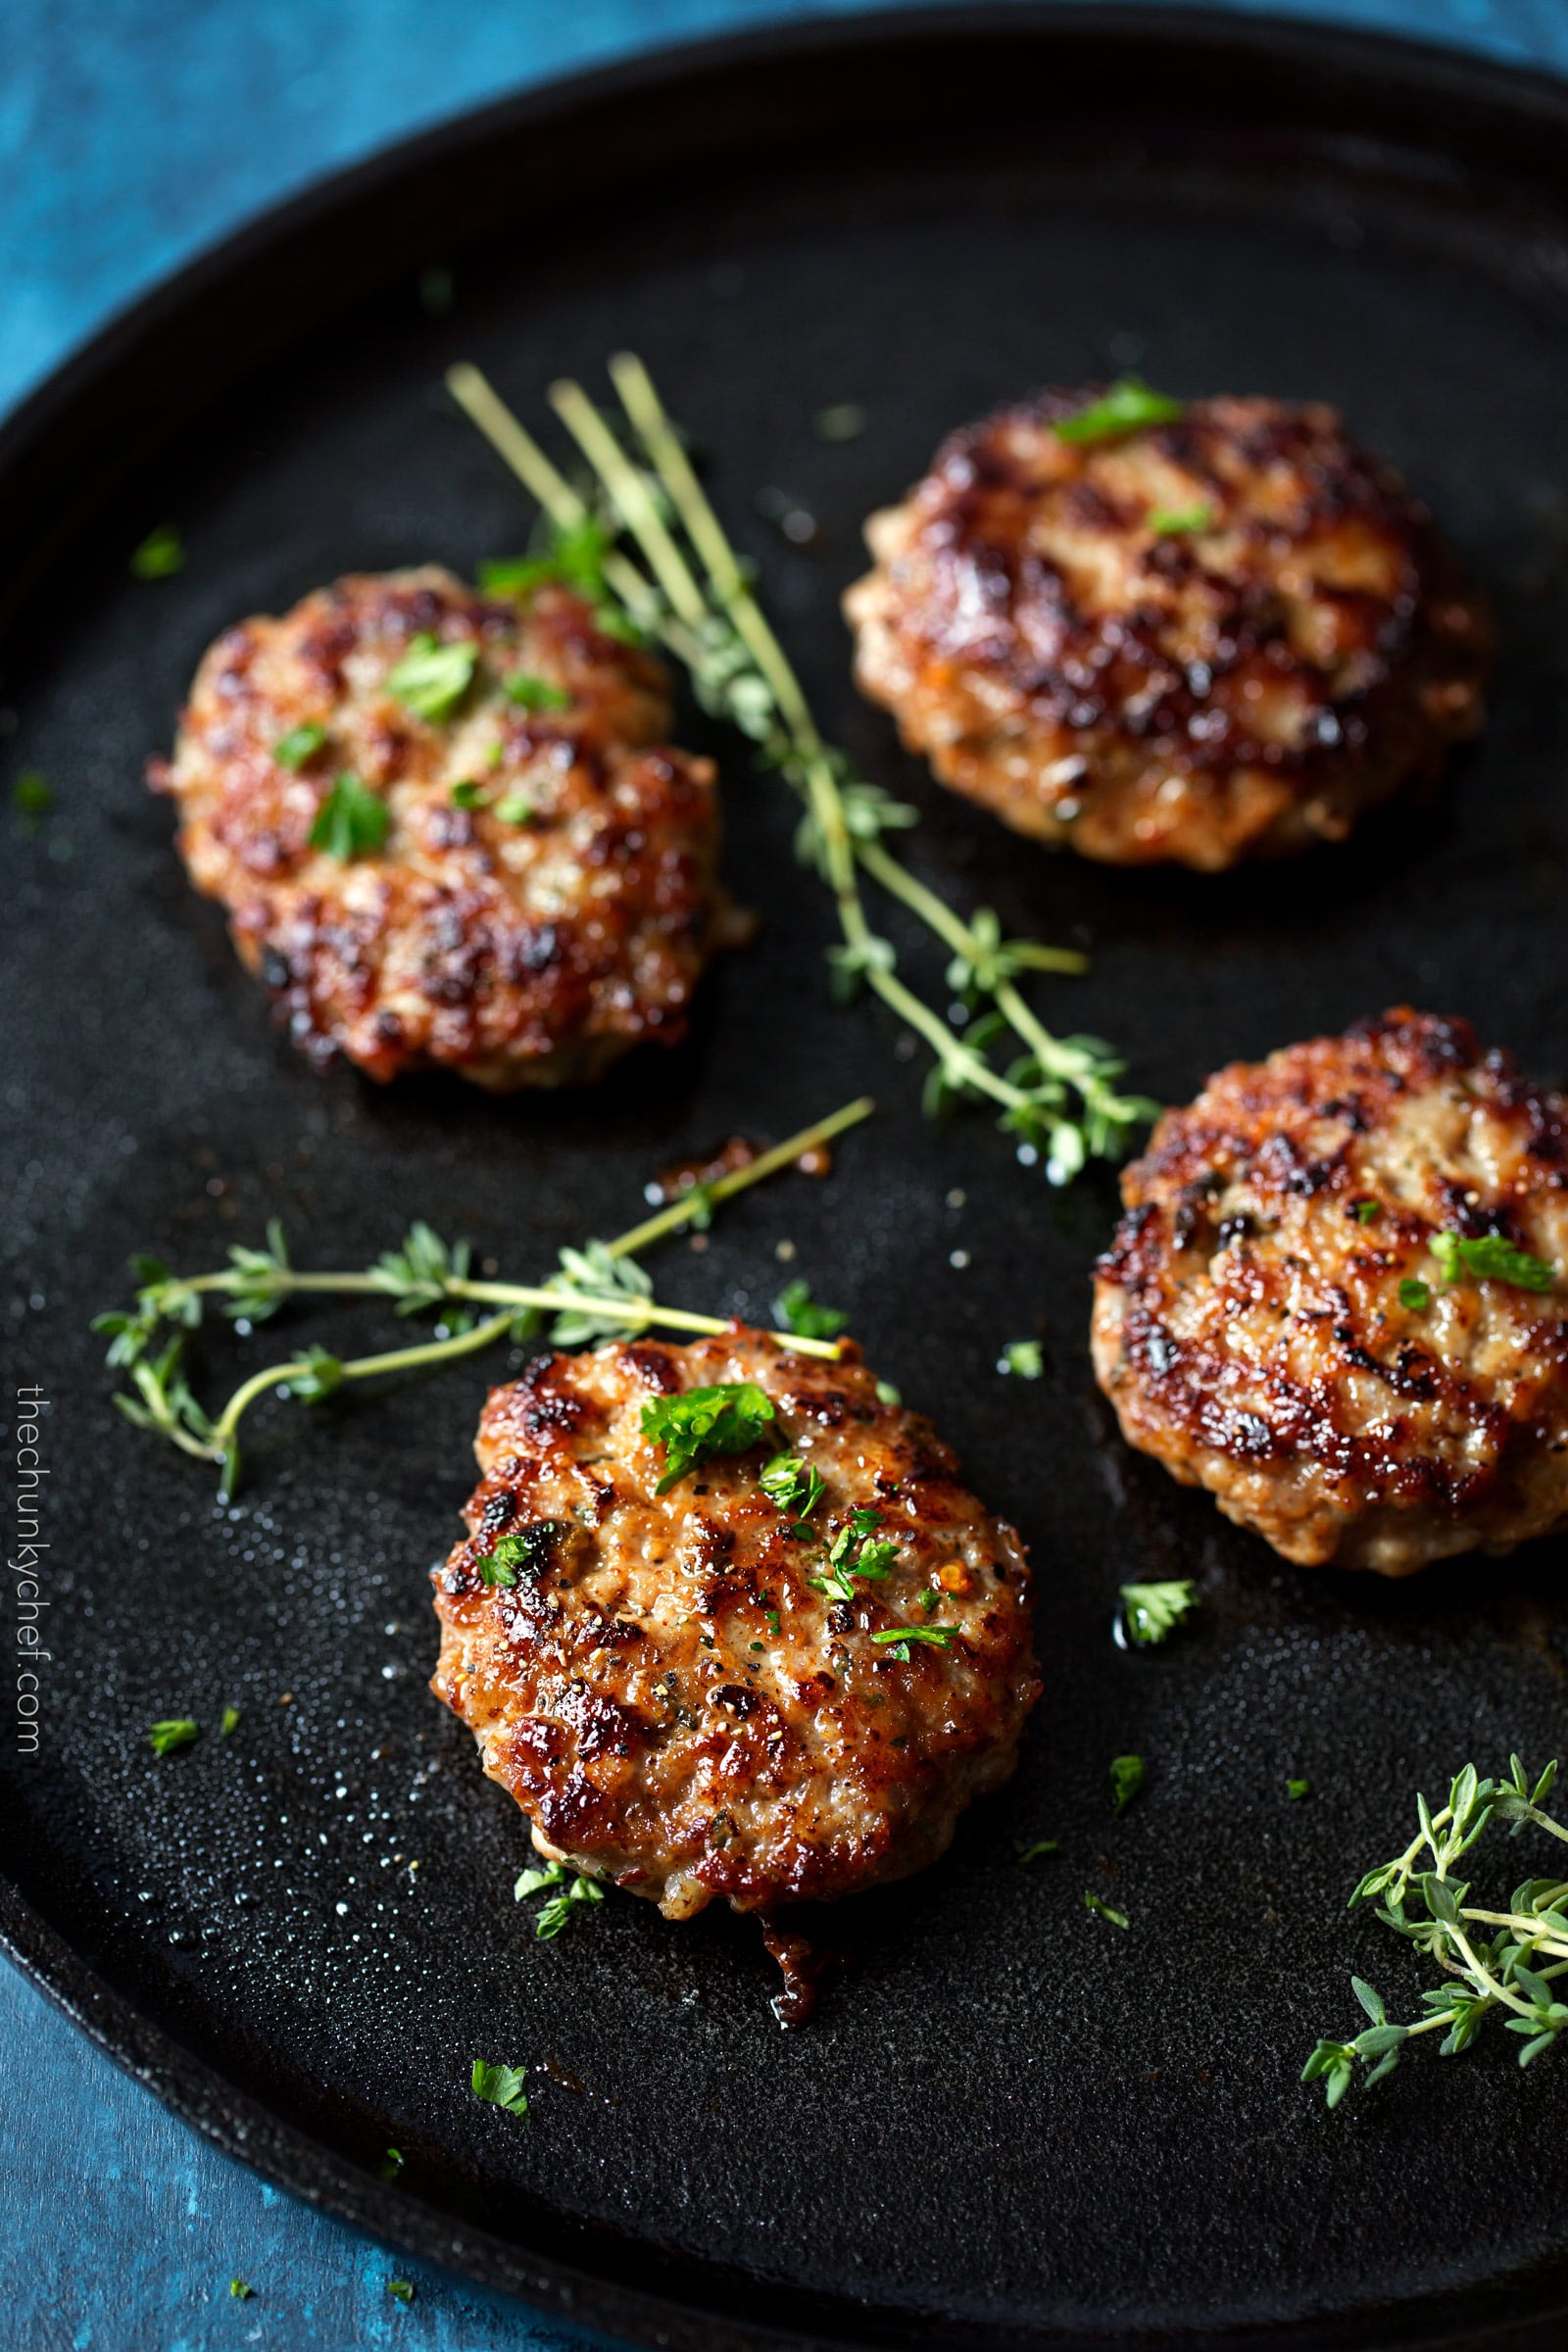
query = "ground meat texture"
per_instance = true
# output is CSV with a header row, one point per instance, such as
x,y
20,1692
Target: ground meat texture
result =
x,y
1249,1325
666,1694
1145,694
525,948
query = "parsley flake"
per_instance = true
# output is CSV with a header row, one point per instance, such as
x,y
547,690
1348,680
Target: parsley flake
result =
x,y
1364,1211
1126,1779
897,1638
515,575
401,2291
229,1723
1126,407
536,694
522,1552
31,797
1178,522
729,1418
1415,1293
175,1731
500,2087
1098,1904
795,1485
1152,1611
391,2164
467,793
241,2290
1023,1358
351,822
1492,1257
1037,1853
300,744
796,1310
854,1553
516,810
1297,1789
432,678
160,556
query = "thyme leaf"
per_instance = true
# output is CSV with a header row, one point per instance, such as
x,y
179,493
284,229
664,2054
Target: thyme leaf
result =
x,y
1493,1961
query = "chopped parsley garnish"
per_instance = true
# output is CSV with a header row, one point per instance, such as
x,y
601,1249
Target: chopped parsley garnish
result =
x,y
1126,407
500,2087
536,694
241,2290
797,1310
1364,1211
175,1731
795,1485
730,1418
1098,1904
516,810
552,1916
515,575
391,2164
33,797
351,822
576,560
1297,1789
887,1394
1177,522
229,1723
1415,1293
1041,1847
549,1921
577,555
299,745
522,1552
1023,1358
1492,1257
1152,1611
897,1638
432,678
401,2291
856,1551
1126,1779
160,556
467,793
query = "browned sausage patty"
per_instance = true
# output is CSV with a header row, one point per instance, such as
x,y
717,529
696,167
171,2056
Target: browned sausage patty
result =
x,y
665,1687
1280,1319
1202,641
541,892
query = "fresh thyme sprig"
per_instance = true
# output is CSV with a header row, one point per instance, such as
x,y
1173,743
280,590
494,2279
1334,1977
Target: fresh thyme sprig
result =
x,y
1057,1096
600,1291
1494,1961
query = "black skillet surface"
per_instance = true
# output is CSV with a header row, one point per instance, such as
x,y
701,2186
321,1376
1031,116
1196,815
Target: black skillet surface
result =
x,y
1011,2125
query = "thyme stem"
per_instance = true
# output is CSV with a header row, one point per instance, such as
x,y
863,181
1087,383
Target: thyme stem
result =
x,y
717,629
257,1281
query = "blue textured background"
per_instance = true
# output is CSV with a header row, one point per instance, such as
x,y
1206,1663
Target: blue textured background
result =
x,y
132,132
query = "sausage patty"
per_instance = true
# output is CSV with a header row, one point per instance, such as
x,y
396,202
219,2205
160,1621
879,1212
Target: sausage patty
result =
x,y
715,1690
1199,640
1335,1298
516,886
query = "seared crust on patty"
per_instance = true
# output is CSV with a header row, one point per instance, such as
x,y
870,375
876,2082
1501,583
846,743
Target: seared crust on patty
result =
x,y
1192,694
666,1694
1249,1324
517,949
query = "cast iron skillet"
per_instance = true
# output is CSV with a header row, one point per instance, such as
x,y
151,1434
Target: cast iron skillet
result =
x,y
1012,2125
